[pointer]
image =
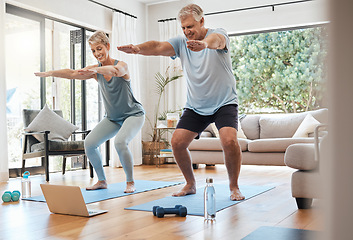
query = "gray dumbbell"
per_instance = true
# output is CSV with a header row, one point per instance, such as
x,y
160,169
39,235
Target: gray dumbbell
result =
x,y
178,210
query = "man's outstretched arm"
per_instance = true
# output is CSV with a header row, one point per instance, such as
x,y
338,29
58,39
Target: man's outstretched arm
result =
x,y
150,48
212,41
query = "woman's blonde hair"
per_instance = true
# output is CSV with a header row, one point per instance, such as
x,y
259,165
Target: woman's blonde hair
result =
x,y
99,37
191,9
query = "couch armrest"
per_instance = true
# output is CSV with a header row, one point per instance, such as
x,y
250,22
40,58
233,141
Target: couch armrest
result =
x,y
318,128
301,156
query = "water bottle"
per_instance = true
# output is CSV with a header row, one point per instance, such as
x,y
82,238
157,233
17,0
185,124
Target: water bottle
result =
x,y
26,185
209,200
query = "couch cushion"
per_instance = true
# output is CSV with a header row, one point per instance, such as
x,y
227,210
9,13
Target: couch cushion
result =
x,y
250,126
59,146
214,144
279,126
275,144
301,156
285,125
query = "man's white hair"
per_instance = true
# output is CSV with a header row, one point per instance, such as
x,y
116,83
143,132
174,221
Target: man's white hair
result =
x,y
191,9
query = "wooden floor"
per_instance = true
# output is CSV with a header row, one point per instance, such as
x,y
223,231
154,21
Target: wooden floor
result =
x,y
32,220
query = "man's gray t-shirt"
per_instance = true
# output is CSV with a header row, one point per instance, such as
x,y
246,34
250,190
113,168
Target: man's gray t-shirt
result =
x,y
208,73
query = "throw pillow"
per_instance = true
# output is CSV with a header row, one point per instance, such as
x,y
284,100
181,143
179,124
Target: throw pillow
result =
x,y
240,131
48,120
307,126
215,129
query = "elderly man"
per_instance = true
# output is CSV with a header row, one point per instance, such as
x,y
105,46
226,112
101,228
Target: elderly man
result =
x,y
211,93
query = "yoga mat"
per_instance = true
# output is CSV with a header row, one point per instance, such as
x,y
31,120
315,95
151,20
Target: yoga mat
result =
x,y
194,203
115,190
279,233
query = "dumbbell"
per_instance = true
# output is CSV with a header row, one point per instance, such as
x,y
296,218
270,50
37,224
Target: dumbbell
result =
x,y
11,196
178,210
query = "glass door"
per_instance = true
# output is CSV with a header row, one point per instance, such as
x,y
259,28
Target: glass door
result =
x,y
23,49
34,43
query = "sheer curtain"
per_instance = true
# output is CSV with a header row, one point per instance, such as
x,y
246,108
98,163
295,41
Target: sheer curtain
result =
x,y
124,32
175,94
4,167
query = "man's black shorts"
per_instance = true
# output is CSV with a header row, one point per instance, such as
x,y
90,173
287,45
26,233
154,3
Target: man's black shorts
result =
x,y
226,116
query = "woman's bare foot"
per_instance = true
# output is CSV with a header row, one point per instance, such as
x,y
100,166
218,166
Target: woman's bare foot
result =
x,y
99,185
186,190
236,195
130,187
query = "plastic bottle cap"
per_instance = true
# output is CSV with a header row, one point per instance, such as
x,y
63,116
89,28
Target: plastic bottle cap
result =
x,y
209,180
26,174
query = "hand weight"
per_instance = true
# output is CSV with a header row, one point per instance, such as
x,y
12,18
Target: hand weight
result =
x,y
178,210
11,196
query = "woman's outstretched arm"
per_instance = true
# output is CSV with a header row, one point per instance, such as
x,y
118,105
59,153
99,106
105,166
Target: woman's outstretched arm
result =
x,y
67,73
118,70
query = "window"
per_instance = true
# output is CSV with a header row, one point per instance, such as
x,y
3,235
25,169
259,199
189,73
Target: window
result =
x,y
280,71
22,52
38,43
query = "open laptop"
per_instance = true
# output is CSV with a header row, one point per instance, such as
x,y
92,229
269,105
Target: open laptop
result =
x,y
67,200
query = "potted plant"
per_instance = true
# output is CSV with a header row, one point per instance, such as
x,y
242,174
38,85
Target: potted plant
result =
x,y
151,148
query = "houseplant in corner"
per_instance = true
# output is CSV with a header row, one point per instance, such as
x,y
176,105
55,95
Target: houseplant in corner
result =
x,y
151,148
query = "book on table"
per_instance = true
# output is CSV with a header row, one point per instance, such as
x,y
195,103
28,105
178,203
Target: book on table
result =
x,y
166,153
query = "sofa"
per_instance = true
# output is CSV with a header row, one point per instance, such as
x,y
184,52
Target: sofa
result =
x,y
263,138
305,158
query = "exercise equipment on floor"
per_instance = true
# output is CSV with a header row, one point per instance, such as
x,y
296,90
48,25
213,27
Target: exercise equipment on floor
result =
x,y
11,196
178,210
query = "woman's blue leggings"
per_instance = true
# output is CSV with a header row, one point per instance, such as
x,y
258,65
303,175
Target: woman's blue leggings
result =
x,y
107,129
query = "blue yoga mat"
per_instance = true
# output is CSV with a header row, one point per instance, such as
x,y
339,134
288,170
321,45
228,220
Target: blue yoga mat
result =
x,y
194,203
115,190
279,233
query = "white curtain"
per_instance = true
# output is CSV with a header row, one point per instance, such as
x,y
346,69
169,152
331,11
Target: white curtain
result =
x,y
124,32
4,167
175,94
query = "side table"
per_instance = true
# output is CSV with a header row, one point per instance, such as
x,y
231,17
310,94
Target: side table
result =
x,y
159,156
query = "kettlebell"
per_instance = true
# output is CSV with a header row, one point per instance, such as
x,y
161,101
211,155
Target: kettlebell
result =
x,y
11,196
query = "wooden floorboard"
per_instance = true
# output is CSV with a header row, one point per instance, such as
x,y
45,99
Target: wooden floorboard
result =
x,y
32,220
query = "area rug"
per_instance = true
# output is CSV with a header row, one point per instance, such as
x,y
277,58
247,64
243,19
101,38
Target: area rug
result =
x,y
279,233
115,190
194,203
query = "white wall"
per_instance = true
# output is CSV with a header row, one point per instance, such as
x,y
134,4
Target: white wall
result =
x,y
299,14
4,174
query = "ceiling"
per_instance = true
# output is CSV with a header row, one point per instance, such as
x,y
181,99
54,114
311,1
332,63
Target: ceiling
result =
x,y
150,2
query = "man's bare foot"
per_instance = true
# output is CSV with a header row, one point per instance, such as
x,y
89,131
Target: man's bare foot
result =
x,y
186,190
236,195
130,187
99,185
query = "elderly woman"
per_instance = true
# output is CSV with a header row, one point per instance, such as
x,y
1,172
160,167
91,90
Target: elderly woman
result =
x,y
124,114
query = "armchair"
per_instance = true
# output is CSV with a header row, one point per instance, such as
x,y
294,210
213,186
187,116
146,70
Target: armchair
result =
x,y
34,148
305,157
